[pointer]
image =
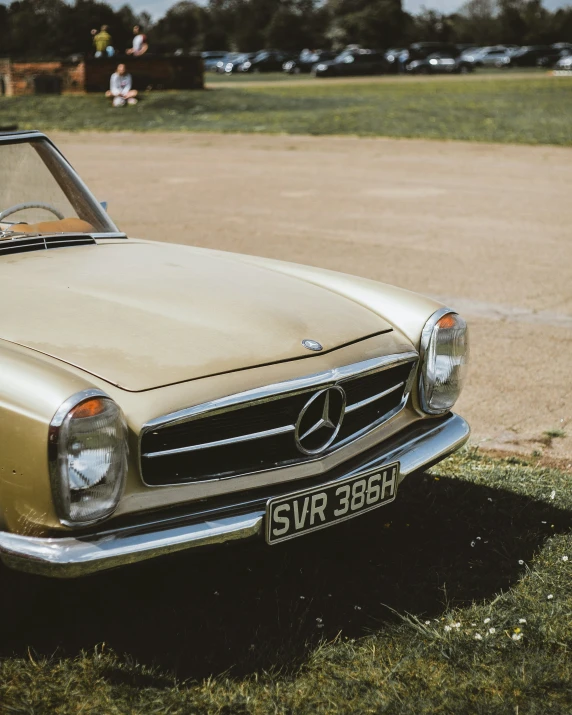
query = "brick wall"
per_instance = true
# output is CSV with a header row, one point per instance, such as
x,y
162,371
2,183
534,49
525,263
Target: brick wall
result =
x,y
149,72
21,77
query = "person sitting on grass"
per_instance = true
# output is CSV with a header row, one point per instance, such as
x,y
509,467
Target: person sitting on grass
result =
x,y
120,88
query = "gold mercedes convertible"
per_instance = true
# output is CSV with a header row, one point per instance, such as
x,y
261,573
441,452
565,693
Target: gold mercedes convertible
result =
x,y
156,397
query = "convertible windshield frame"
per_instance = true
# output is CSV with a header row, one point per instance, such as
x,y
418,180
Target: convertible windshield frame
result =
x,y
67,178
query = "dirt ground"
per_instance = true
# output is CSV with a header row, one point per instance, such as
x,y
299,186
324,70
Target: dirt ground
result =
x,y
485,228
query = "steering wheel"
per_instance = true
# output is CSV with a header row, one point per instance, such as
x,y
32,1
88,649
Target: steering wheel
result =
x,y
30,205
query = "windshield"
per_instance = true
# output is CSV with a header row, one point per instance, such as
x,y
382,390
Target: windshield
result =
x,y
40,194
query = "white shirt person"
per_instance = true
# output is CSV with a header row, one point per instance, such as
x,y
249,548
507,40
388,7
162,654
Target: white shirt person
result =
x,y
120,87
139,46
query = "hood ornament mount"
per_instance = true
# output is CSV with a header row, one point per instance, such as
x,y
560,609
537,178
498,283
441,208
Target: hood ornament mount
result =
x,y
312,345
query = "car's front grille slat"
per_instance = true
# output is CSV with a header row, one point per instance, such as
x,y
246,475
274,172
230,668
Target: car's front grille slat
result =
x,y
259,435
249,437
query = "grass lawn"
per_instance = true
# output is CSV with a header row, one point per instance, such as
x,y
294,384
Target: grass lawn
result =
x,y
457,598
530,111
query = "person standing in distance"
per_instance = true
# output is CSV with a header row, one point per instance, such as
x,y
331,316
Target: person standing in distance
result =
x,y
140,45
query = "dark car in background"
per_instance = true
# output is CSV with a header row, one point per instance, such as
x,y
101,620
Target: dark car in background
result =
x,y
211,58
440,63
352,63
234,62
307,60
551,59
529,55
266,61
399,58
228,57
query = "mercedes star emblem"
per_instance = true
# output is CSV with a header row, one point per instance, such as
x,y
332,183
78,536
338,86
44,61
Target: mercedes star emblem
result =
x,y
312,345
320,420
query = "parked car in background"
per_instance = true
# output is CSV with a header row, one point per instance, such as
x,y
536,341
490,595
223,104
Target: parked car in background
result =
x,y
529,55
306,60
421,50
440,63
211,58
265,61
352,63
550,60
233,64
392,58
495,56
157,397
564,63
228,57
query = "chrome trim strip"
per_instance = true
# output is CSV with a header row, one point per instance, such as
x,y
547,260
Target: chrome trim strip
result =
x,y
423,444
373,398
302,384
222,442
269,392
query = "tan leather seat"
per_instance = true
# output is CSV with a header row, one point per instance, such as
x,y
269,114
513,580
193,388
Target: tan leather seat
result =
x,y
65,225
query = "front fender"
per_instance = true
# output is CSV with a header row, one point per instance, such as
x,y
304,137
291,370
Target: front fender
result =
x,y
31,390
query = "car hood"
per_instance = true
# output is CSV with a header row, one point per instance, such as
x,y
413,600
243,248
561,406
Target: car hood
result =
x,y
141,315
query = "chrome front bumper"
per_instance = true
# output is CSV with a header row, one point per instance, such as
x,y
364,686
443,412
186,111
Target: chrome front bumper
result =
x,y
426,443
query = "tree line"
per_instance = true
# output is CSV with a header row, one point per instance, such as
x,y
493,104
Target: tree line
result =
x,y
44,29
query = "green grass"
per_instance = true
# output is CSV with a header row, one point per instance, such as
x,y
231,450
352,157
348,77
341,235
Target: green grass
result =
x,y
215,77
457,598
530,111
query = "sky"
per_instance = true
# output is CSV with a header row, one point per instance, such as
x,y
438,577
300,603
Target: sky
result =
x,y
157,8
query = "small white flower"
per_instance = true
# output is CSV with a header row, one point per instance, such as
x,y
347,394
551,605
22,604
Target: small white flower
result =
x,y
447,628
544,522
473,624
427,623
489,499
479,538
492,631
522,620
553,494
357,608
318,620
472,544
550,597
456,625
520,562
320,625
478,637
487,620
516,636
302,598
565,558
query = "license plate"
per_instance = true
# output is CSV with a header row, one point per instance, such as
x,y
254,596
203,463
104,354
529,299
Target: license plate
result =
x,y
312,509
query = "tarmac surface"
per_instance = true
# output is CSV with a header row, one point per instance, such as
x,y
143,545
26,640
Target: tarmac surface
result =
x,y
485,228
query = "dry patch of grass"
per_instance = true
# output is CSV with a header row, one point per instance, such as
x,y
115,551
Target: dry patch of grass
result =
x,y
456,598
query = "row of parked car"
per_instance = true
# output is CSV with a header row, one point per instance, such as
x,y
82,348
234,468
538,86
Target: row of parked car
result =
x,y
505,56
418,58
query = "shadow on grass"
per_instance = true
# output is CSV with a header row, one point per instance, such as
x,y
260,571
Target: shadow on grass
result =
x,y
250,607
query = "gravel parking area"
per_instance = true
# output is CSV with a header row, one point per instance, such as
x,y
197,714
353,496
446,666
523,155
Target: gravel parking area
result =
x,y
484,227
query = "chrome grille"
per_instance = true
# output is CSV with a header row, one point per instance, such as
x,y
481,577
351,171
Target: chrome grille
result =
x,y
255,432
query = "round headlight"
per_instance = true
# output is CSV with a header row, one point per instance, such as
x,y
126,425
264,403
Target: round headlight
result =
x,y
88,457
444,357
